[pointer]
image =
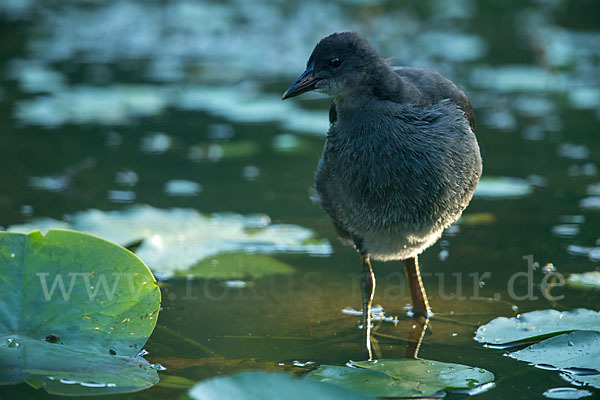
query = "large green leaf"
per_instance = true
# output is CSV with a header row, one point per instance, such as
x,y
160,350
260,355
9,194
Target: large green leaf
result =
x,y
536,325
74,312
404,377
268,385
576,354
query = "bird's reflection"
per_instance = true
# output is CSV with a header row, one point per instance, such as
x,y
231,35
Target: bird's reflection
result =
x,y
415,338
417,326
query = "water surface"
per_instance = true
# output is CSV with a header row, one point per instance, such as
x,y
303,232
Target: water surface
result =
x,y
176,105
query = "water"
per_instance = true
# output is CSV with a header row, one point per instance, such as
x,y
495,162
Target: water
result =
x,y
176,104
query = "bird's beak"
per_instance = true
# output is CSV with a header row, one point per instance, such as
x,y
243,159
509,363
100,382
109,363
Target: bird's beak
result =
x,y
304,83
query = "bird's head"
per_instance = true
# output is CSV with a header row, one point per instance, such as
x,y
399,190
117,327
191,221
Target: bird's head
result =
x,y
340,64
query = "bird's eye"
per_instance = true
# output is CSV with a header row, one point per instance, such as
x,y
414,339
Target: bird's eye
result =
x,y
335,62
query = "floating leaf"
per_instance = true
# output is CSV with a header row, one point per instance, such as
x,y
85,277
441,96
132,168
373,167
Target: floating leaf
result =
x,y
590,380
580,349
374,383
239,266
566,393
404,377
502,188
478,219
288,142
156,143
592,252
175,382
182,187
266,385
70,370
173,240
536,325
242,106
577,354
74,312
106,105
586,280
590,203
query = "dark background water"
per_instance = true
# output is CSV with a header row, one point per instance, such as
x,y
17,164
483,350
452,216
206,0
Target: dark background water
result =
x,y
86,83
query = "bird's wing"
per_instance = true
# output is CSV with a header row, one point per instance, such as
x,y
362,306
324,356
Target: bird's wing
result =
x,y
430,87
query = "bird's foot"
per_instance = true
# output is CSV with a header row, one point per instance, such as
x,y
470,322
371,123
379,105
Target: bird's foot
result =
x,y
416,312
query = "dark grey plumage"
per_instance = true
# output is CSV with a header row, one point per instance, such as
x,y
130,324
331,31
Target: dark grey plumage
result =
x,y
401,161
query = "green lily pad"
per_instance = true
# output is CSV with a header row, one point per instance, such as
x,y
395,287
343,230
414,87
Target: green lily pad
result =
x,y
239,266
577,354
404,377
267,385
71,371
74,312
586,280
536,325
175,382
367,381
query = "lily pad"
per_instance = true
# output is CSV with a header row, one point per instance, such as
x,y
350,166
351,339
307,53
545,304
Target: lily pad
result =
x,y
477,219
589,380
502,187
404,377
566,393
238,266
110,105
75,310
536,325
175,382
173,240
577,354
266,385
586,280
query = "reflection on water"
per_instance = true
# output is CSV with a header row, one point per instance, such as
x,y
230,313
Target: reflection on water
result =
x,y
176,104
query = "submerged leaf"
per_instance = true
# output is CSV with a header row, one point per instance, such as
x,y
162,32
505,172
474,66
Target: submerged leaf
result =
x,y
536,325
74,312
404,377
265,385
175,382
238,266
477,219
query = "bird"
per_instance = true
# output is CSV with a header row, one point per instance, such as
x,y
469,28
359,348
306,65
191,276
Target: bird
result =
x,y
400,162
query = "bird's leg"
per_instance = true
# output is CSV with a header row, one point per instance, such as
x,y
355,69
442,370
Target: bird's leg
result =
x,y
417,291
367,280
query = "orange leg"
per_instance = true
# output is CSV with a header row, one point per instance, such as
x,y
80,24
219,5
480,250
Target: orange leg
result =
x,y
417,291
